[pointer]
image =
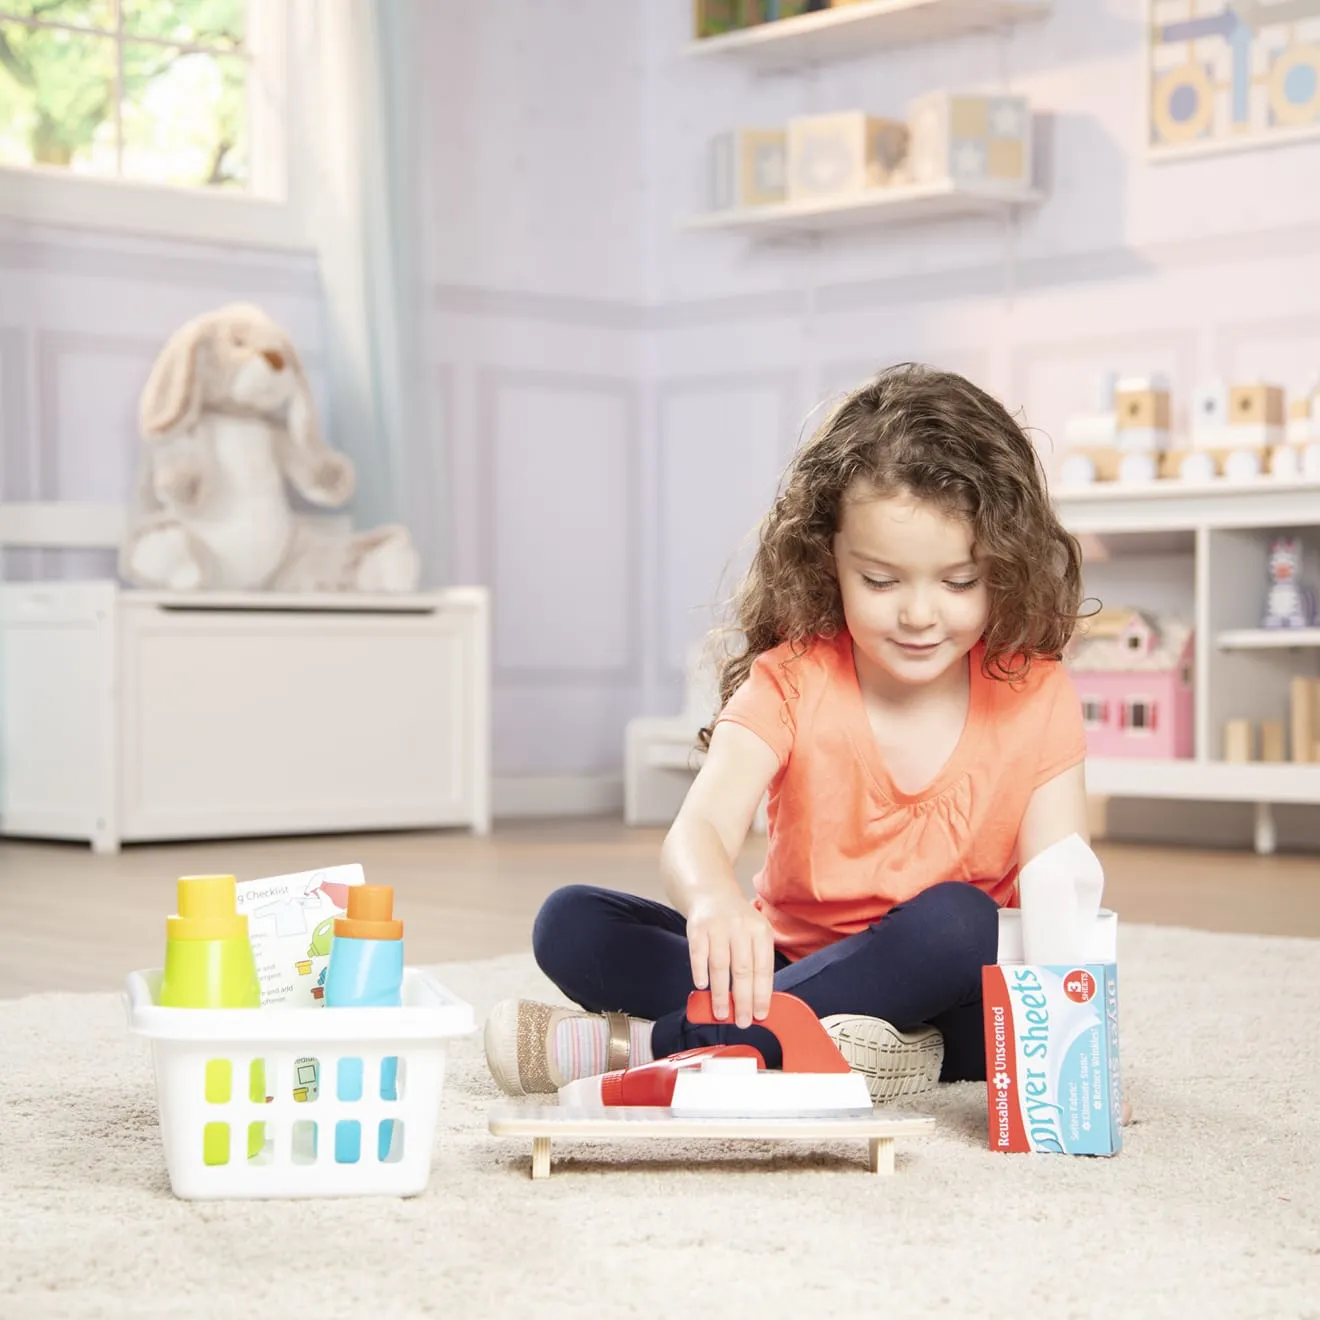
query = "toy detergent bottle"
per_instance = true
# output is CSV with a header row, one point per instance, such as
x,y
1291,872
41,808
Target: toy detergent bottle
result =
x,y
366,971
209,964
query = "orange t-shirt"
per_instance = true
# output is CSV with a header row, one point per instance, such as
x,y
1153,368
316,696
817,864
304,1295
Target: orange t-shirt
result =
x,y
846,844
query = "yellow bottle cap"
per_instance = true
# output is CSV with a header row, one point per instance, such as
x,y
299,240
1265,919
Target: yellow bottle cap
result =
x,y
208,910
370,914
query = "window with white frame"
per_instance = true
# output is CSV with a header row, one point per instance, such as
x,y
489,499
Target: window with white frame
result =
x,y
1093,712
1139,715
186,98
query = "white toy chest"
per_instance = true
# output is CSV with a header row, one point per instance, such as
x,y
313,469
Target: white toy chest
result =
x,y
128,716
203,1060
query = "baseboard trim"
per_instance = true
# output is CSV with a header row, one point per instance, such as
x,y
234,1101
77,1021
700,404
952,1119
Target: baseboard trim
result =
x,y
515,797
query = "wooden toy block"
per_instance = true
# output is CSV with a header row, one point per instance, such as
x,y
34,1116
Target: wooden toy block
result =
x,y
841,154
1272,741
1246,415
1255,405
747,168
971,138
1143,406
1103,464
1286,460
1303,712
1189,465
1304,415
1209,414
1201,464
1238,741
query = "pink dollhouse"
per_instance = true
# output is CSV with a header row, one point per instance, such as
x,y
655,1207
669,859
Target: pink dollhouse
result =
x,y
1133,673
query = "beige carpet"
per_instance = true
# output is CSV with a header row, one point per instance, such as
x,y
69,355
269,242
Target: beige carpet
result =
x,y
1212,1210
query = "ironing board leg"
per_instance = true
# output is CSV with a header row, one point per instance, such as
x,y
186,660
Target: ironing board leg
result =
x,y
541,1157
882,1154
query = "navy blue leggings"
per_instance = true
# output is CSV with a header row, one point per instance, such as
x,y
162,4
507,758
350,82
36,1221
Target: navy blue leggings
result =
x,y
921,963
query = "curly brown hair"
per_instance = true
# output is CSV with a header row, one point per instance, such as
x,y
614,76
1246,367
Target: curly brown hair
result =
x,y
935,436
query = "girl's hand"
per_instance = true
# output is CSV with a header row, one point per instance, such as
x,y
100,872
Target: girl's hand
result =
x,y
731,946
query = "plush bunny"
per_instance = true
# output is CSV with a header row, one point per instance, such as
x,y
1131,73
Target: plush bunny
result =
x,y
227,419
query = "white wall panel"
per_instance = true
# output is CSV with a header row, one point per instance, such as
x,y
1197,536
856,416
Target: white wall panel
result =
x,y
89,402
562,731
559,509
17,469
722,445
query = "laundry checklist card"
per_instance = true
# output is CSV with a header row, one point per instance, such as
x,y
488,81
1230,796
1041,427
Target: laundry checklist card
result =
x,y
291,921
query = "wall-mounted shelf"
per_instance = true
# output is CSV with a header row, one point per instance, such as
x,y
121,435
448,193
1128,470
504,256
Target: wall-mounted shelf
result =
x,y
1267,639
1165,505
901,205
858,29
1203,781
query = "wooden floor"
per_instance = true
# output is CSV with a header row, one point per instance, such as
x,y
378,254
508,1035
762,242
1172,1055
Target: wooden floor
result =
x,y
73,921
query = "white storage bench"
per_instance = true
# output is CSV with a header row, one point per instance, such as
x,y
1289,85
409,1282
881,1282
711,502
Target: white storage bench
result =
x,y
128,716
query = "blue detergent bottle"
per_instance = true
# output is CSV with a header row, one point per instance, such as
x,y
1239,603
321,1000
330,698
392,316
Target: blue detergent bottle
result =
x,y
365,971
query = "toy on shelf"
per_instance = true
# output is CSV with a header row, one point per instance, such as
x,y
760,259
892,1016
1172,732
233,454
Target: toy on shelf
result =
x,y
1273,741
1290,604
1237,432
1304,716
748,167
1301,730
713,18
840,155
1234,429
1126,435
970,139
724,1094
1240,745
1239,741
1304,414
1299,455
1133,674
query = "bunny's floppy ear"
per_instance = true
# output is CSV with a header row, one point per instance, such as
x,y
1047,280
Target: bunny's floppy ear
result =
x,y
304,430
172,397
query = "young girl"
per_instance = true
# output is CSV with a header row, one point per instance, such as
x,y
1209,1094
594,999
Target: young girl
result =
x,y
901,698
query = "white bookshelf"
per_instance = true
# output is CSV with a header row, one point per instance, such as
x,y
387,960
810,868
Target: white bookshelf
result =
x,y
1256,639
1214,538
907,204
860,29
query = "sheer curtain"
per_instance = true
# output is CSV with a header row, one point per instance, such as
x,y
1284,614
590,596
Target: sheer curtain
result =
x,y
361,190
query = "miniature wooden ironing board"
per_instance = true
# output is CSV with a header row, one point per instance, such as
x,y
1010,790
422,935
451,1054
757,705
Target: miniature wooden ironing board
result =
x,y
807,1049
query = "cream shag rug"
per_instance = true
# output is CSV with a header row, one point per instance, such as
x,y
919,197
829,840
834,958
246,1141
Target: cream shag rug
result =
x,y
1213,1209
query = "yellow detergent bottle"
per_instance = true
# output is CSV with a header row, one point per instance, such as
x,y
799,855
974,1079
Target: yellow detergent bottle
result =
x,y
209,964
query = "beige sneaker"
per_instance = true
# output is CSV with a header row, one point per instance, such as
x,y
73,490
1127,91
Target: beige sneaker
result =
x,y
518,1035
895,1063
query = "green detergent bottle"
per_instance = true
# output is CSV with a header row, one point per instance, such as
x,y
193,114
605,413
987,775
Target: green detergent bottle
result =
x,y
209,964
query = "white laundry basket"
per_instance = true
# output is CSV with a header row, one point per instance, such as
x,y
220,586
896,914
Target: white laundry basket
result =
x,y
316,1119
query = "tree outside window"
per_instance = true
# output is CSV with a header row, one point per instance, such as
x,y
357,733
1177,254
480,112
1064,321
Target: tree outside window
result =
x,y
154,91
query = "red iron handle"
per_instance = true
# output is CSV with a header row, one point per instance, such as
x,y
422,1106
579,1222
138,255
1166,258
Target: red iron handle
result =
x,y
806,1045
